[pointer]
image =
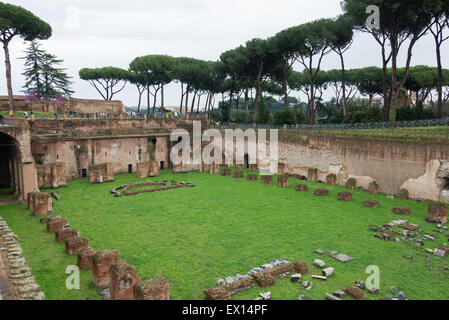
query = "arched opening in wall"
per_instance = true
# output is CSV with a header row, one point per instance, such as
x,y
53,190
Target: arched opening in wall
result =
x,y
10,160
444,197
246,161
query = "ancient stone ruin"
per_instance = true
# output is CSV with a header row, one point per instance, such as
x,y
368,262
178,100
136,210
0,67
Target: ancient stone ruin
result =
x,y
401,211
251,177
356,293
55,223
371,203
127,189
301,187
373,187
76,244
152,289
351,183
344,196
210,168
101,262
63,234
84,258
52,175
226,172
331,179
312,174
40,203
437,213
321,192
238,174
283,182
100,173
266,179
147,169
123,279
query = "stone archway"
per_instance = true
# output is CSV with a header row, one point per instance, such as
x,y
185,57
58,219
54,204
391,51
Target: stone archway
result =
x,y
442,178
10,157
17,168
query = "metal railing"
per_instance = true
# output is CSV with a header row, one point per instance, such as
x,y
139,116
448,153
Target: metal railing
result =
x,y
422,129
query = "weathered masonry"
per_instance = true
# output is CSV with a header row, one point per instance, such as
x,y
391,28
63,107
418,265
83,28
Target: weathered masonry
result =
x,y
45,153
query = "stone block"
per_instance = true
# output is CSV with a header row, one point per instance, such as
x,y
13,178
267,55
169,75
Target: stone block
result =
x,y
252,177
312,174
351,183
56,223
58,175
401,211
226,172
101,262
321,192
238,174
301,267
301,187
217,293
76,244
283,182
264,279
409,227
143,170
437,213
266,179
344,196
214,168
123,279
331,179
30,200
63,234
373,187
100,173
42,204
152,289
84,258
356,293
154,169
371,203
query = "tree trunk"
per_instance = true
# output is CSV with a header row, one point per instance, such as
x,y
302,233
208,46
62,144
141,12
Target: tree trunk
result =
x,y
440,79
285,88
394,83
193,102
140,101
162,102
246,101
312,103
148,102
187,99
230,106
343,84
198,104
8,76
182,98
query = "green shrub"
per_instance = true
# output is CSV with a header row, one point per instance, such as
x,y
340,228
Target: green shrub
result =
x,y
285,116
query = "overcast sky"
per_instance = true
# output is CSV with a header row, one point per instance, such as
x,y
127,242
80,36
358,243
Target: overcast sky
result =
x,y
99,33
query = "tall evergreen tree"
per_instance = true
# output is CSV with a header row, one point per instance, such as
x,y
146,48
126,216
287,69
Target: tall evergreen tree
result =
x,y
44,77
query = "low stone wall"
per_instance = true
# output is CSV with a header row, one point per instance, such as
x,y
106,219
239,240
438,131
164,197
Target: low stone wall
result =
x,y
53,175
148,169
264,276
16,279
99,173
164,187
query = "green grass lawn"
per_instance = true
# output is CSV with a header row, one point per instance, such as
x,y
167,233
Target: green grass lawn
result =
x,y
37,114
224,226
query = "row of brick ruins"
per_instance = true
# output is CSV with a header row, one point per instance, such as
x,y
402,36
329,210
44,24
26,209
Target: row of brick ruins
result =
x,y
108,271
437,213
